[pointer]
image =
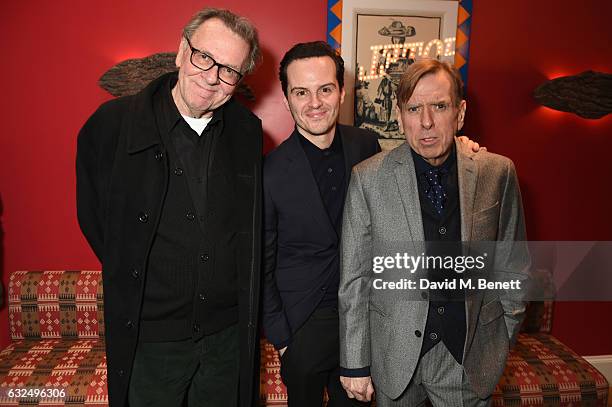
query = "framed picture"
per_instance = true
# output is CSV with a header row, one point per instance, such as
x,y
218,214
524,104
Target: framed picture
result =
x,y
379,39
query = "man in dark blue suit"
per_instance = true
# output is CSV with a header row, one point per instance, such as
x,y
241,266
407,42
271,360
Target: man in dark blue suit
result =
x,y
305,182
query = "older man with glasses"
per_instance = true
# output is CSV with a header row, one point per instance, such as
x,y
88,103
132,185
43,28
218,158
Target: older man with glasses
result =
x,y
168,197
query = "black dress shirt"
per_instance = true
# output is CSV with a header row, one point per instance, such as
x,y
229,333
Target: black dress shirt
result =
x,y
180,279
329,173
328,170
193,150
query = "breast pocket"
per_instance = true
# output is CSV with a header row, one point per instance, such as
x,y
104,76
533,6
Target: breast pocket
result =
x,y
490,312
485,223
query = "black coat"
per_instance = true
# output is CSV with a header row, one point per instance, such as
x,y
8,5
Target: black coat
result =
x,y
299,237
122,179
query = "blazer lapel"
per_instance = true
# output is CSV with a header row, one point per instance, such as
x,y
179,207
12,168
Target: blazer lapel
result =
x,y
300,175
467,174
405,176
351,156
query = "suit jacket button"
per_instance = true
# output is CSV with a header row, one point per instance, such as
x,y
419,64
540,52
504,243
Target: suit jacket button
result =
x,y
196,328
129,324
135,273
178,172
440,310
424,295
417,333
323,288
190,216
120,372
143,217
159,155
433,336
204,258
442,230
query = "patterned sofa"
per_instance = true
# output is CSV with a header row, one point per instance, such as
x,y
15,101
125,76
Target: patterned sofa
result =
x,y
541,371
56,325
57,329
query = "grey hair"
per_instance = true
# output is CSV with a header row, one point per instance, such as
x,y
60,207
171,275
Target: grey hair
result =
x,y
238,24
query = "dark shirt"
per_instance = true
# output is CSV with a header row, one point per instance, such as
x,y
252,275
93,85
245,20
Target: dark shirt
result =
x,y
442,232
180,279
328,170
329,173
193,150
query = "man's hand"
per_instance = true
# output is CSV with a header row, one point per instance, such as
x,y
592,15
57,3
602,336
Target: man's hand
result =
x,y
472,144
282,351
359,388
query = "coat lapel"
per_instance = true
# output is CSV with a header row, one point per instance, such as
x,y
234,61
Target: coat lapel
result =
x,y
467,174
351,156
300,175
405,177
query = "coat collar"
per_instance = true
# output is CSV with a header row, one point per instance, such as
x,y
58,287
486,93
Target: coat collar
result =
x,y
141,127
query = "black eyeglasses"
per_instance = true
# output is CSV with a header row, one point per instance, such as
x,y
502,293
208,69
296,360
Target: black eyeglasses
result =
x,y
205,62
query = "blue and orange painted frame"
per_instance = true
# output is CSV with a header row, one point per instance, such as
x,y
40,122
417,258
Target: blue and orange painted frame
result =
x,y
462,44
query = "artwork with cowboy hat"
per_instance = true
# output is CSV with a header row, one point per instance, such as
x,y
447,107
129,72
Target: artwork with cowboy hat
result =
x,y
397,31
378,37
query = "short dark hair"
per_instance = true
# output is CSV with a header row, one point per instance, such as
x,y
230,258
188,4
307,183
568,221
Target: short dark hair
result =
x,y
306,50
422,67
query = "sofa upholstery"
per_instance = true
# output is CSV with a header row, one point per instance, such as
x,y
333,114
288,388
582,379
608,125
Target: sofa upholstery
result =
x,y
541,370
56,327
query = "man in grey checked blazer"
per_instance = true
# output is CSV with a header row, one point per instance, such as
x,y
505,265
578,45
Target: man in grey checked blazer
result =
x,y
400,342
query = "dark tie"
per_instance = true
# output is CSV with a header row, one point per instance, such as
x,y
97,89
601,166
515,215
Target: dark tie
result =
x,y
434,190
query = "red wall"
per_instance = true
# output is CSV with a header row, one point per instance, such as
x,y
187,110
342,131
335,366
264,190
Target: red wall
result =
x,y
517,45
56,51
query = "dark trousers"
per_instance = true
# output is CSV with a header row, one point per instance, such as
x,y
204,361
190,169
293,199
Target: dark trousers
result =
x,y
194,373
311,363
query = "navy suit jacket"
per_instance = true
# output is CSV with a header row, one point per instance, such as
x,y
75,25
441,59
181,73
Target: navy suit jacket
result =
x,y
301,246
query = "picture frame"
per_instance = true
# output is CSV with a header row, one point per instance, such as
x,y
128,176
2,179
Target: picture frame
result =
x,y
378,39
